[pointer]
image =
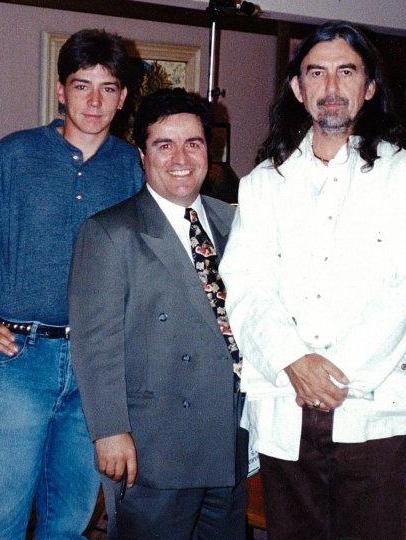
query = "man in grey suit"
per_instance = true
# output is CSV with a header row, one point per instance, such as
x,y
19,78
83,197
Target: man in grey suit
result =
x,y
155,359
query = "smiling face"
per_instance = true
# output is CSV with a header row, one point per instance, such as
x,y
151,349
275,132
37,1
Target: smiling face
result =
x,y
91,97
175,157
333,86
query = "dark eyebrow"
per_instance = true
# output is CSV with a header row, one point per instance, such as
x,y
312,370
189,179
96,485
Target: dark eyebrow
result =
x,y
350,65
197,139
87,81
191,139
314,66
160,141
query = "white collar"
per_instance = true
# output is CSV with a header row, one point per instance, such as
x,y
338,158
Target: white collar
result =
x,y
175,210
346,152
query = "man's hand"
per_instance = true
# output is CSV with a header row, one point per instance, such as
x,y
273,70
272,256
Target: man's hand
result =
x,y
7,345
115,454
310,377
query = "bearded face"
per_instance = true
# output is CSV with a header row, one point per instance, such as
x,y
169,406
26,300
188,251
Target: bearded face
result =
x,y
333,85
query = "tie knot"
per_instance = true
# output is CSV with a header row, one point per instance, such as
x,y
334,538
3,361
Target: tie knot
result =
x,y
191,215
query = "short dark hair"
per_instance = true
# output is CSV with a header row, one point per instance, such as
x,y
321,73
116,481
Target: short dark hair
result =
x,y
289,120
165,102
90,47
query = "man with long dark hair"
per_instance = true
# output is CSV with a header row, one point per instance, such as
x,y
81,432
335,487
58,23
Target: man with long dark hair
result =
x,y
316,275
51,179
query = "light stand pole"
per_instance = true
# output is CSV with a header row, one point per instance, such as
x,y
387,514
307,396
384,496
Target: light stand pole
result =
x,y
216,9
214,16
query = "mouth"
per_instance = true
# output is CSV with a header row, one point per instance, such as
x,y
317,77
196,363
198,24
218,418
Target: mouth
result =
x,y
180,173
332,104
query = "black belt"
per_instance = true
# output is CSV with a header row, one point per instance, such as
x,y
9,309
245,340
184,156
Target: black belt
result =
x,y
52,332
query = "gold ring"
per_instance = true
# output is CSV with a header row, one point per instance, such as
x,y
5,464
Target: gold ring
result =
x,y
316,403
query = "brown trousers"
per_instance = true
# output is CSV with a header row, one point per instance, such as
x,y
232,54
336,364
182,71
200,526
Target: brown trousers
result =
x,y
336,491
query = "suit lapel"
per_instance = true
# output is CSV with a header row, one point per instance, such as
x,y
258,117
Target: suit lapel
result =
x,y
160,237
218,227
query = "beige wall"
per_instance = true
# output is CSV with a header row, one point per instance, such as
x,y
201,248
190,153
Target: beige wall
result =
x,y
246,69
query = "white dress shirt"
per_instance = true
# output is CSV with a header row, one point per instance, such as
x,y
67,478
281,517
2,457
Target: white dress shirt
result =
x,y
316,262
175,214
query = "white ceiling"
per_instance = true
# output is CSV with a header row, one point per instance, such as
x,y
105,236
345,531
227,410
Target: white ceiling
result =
x,y
382,14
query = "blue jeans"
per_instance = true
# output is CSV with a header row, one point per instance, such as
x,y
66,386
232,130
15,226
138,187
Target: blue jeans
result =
x,y
46,455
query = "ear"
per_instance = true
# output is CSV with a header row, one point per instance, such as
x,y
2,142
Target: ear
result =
x,y
295,85
142,155
123,95
370,92
60,92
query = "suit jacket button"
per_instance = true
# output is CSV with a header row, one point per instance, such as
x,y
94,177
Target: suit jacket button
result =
x,y
186,358
186,403
162,317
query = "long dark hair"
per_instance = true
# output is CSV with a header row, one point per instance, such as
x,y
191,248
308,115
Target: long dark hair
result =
x,y
289,121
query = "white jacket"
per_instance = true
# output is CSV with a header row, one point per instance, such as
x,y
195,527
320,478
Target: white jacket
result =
x,y
316,262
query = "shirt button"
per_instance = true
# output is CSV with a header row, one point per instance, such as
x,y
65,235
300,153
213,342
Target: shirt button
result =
x,y
186,358
316,336
403,367
80,173
186,403
318,296
162,317
75,157
335,179
330,217
79,196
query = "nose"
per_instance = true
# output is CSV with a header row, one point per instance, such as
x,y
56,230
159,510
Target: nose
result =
x,y
95,98
331,84
179,155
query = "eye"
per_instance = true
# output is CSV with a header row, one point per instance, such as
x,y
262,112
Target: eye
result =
x,y
316,73
110,89
80,86
347,72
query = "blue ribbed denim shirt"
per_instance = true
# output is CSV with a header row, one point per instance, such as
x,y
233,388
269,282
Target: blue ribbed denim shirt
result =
x,y
46,192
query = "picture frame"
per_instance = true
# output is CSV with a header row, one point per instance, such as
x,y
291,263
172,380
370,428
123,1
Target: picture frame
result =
x,y
180,65
220,143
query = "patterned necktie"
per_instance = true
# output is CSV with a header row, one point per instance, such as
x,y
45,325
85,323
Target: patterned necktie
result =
x,y
205,261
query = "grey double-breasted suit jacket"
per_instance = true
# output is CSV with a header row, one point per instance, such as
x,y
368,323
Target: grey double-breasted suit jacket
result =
x,y
148,353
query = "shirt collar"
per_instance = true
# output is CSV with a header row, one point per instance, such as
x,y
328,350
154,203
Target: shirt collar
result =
x,y
175,210
347,151
60,139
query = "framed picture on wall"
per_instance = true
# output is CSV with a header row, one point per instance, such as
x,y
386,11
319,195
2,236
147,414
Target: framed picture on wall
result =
x,y
157,65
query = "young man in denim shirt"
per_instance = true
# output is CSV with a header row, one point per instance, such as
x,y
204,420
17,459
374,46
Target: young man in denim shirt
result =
x,y
51,179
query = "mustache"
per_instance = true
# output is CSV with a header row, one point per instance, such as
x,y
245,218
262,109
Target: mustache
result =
x,y
338,100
